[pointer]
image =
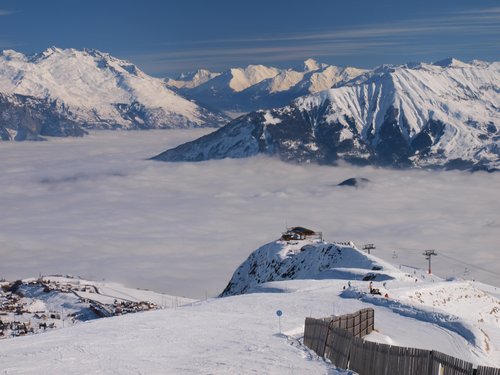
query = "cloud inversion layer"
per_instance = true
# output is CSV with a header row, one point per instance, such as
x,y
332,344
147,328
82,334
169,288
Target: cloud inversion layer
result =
x,y
96,207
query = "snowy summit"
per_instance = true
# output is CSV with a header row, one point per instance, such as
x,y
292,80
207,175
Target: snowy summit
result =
x,y
64,91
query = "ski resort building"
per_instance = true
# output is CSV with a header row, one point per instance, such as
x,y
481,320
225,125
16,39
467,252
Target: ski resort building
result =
x,y
301,233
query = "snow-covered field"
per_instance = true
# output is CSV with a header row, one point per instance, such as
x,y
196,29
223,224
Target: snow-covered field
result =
x,y
240,334
237,335
95,207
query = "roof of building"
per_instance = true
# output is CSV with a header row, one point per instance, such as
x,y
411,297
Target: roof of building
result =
x,y
301,230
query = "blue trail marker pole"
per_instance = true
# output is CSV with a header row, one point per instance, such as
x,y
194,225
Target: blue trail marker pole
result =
x,y
279,313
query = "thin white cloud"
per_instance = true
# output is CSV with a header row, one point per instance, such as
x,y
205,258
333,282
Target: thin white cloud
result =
x,y
264,54
95,207
4,12
487,11
483,21
218,57
382,38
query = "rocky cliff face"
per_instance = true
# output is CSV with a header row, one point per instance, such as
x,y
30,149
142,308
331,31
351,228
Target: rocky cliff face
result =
x,y
28,118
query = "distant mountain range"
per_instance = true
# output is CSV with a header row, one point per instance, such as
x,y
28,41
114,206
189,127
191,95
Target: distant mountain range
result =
x,y
64,91
445,114
241,90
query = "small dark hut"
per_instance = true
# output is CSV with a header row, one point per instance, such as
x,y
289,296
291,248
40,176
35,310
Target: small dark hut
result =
x,y
300,233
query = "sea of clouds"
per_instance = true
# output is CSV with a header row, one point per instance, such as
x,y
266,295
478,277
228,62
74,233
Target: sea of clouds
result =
x,y
96,207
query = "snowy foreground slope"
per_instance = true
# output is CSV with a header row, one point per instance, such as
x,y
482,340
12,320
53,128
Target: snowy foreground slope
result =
x,y
425,115
60,88
469,309
239,334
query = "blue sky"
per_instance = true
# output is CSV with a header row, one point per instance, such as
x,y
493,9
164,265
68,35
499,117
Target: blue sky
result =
x,y
167,37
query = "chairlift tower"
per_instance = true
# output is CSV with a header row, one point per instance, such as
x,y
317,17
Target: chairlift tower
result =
x,y
428,256
368,247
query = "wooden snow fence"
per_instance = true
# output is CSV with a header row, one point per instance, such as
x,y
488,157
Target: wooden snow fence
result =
x,y
339,339
359,324
483,370
317,334
381,359
448,365
329,337
338,346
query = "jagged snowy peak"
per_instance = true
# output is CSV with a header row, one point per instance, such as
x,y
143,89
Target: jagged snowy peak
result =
x,y
422,115
451,62
237,79
302,83
483,64
310,65
192,79
307,259
100,91
243,78
284,81
220,92
332,76
257,87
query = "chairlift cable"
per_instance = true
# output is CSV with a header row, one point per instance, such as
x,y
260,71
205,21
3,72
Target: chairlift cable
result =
x,y
469,264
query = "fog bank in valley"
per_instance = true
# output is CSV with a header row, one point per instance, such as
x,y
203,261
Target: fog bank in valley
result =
x,y
96,207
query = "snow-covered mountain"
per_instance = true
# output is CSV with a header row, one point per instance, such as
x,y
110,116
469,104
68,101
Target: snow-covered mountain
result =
x,y
241,334
445,114
94,90
306,259
258,86
192,79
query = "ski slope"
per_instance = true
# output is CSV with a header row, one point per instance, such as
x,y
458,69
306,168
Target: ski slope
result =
x,y
240,334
